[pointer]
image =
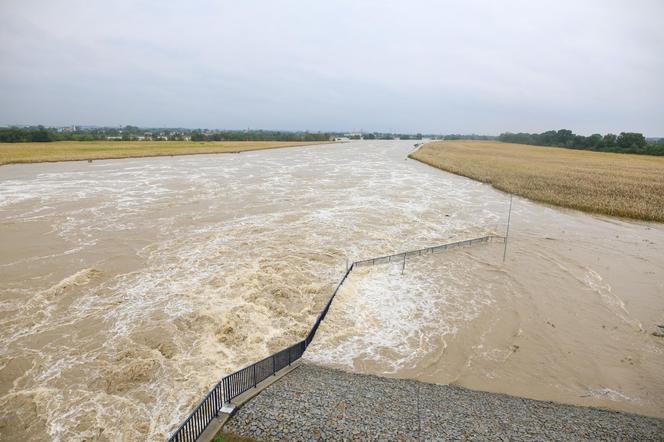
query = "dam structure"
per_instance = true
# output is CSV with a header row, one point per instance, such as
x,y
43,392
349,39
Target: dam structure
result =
x,y
284,397
319,403
221,395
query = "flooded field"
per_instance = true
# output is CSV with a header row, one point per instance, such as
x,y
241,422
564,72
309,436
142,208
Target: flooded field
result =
x,y
128,287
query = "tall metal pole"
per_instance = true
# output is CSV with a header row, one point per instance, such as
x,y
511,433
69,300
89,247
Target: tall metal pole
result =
x,y
507,233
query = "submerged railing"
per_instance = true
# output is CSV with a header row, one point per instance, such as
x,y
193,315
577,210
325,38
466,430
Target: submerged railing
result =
x,y
234,384
400,256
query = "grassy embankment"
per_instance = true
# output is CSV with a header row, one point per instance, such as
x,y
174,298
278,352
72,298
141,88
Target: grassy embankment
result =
x,y
95,150
622,185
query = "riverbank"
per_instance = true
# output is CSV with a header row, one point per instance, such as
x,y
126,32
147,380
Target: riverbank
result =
x,y
316,403
16,153
152,278
622,185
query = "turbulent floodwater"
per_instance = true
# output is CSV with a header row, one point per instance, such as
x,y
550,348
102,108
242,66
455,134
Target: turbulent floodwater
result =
x,y
128,287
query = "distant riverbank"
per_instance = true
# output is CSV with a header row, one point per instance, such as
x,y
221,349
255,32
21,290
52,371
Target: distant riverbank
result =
x,y
14,153
624,185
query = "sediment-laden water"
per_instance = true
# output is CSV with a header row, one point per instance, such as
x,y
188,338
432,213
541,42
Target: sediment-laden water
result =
x,y
128,287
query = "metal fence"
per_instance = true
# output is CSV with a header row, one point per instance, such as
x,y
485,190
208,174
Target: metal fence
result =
x,y
401,256
202,415
242,380
245,379
235,384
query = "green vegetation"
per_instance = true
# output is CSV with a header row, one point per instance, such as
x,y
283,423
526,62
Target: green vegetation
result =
x,y
385,136
626,142
259,135
463,137
17,135
133,133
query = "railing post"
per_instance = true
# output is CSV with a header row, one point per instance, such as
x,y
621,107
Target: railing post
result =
x,y
254,375
274,365
220,396
227,391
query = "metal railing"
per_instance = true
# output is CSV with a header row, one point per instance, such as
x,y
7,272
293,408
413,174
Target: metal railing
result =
x,y
400,256
234,384
249,377
198,420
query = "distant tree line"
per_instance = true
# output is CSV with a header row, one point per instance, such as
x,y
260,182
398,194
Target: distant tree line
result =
x,y
259,135
134,133
385,136
467,137
44,134
20,135
625,142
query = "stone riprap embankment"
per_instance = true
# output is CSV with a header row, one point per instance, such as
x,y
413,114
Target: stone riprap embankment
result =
x,y
316,403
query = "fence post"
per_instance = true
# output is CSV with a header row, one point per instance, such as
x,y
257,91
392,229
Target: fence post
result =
x,y
254,375
507,233
274,365
220,397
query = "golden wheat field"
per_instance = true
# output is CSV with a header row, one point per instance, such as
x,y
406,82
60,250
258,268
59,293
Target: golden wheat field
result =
x,y
607,183
83,150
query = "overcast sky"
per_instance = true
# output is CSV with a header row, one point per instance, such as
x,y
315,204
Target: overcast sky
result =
x,y
479,66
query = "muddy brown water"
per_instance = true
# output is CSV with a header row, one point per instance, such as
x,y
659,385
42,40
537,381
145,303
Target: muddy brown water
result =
x,y
128,287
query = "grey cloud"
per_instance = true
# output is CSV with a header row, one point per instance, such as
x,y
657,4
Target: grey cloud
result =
x,y
431,66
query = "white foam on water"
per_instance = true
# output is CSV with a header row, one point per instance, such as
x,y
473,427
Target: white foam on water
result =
x,y
394,320
234,256
595,282
611,394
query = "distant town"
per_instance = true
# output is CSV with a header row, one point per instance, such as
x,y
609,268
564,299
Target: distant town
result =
x,y
625,142
17,134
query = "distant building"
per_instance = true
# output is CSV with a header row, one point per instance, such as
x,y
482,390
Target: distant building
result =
x,y
354,136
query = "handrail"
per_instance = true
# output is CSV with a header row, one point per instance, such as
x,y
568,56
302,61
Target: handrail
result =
x,y
432,249
193,426
242,380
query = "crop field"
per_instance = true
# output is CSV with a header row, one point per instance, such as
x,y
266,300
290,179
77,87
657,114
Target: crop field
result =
x,y
622,185
81,150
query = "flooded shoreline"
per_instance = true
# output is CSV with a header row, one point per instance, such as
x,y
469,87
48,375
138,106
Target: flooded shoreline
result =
x,y
130,286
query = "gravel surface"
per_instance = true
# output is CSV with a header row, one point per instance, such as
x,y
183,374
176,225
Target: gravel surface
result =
x,y
315,403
